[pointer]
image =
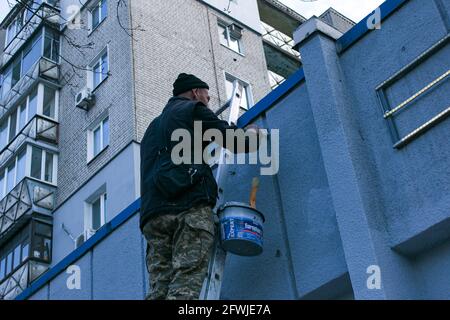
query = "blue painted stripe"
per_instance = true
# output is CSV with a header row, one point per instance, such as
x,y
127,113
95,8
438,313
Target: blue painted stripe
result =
x,y
361,29
98,237
268,101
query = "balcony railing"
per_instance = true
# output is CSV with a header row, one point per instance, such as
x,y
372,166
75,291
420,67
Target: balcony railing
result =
x,y
12,286
279,39
28,197
44,14
44,70
37,129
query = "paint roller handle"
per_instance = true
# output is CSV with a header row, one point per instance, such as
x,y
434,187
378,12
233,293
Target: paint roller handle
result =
x,y
255,186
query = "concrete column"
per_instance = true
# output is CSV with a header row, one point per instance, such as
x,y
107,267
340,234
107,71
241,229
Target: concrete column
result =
x,y
365,246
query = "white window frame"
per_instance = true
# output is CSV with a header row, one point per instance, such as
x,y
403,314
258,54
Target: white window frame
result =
x,y
40,102
88,214
7,40
91,66
45,152
90,138
228,37
39,111
98,6
42,32
247,87
6,171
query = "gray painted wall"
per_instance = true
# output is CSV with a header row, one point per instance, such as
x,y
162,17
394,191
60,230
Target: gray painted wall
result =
x,y
121,191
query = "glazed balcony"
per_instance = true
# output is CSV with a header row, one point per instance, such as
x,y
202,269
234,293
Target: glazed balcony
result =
x,y
44,70
23,21
26,257
39,128
21,203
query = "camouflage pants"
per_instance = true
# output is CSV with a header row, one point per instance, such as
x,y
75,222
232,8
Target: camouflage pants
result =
x,y
178,253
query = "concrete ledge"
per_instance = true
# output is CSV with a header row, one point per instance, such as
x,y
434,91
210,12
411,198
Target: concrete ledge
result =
x,y
425,240
312,26
332,290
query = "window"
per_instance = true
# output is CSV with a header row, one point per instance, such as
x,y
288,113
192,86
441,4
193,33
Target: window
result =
x,y
36,163
51,45
32,53
15,172
42,242
14,28
32,104
11,32
22,115
99,69
98,139
12,126
2,269
3,134
17,250
17,258
98,13
25,251
42,164
2,184
38,47
230,36
20,172
10,177
34,5
43,167
48,109
9,262
98,212
246,97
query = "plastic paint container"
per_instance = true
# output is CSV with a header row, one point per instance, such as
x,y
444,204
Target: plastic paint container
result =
x,y
241,229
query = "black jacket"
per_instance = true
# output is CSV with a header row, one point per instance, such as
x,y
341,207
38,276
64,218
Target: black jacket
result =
x,y
178,113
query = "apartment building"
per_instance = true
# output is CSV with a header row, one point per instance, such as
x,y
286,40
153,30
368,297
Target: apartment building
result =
x,y
279,23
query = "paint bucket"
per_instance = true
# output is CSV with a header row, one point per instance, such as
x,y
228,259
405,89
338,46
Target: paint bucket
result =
x,y
241,229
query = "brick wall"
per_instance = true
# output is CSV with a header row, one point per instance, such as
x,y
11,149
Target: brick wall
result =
x,y
114,96
169,37
182,36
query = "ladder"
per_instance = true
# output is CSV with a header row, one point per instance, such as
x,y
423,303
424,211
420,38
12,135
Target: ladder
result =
x,y
213,281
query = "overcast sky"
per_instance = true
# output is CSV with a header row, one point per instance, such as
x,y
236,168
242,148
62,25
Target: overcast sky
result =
x,y
354,9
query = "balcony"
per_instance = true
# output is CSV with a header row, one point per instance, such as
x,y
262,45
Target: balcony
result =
x,y
26,22
280,40
44,70
26,257
38,129
27,198
21,279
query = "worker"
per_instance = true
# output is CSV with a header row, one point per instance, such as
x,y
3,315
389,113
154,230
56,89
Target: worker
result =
x,y
177,207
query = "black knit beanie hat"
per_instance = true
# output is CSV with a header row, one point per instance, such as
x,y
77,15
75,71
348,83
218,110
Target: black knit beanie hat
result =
x,y
186,82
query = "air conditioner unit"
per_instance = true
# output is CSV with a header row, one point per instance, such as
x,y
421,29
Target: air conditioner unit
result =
x,y
84,99
82,238
235,31
79,241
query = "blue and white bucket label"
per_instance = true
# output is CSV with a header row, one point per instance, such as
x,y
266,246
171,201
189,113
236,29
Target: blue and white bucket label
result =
x,y
238,228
